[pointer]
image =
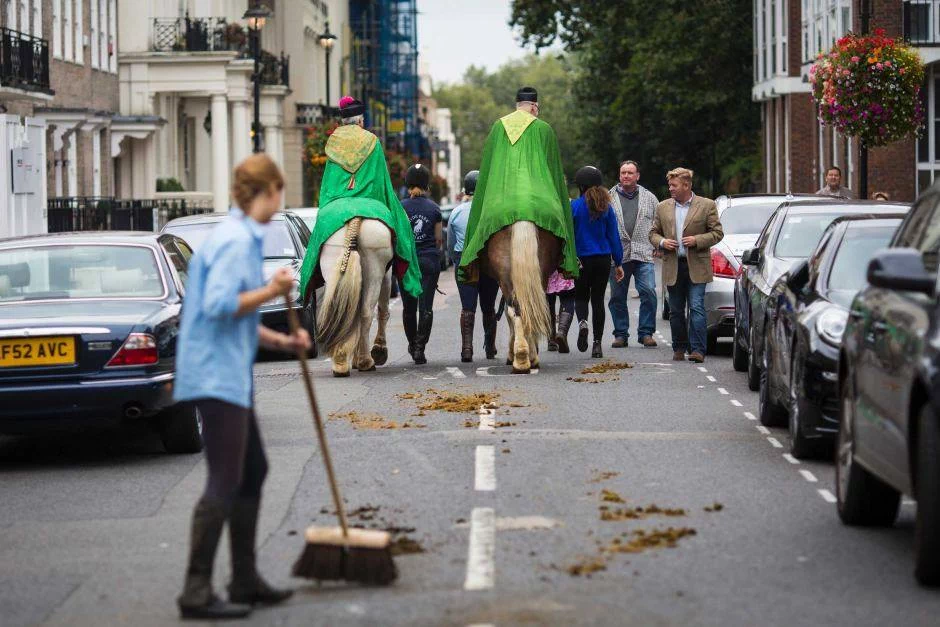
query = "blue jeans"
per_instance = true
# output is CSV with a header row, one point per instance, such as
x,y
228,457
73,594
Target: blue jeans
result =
x,y
682,293
644,276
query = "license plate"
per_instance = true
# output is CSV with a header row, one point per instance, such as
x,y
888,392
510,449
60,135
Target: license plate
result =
x,y
39,351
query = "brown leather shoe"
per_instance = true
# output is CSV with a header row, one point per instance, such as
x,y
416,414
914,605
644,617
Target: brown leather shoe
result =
x,y
696,358
648,342
619,342
678,356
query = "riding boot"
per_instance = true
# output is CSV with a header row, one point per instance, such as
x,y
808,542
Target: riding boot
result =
x,y
198,600
425,321
467,322
247,586
561,338
489,335
411,332
552,342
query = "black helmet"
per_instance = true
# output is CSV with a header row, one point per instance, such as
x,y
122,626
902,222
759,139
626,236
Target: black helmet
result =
x,y
470,182
418,176
588,176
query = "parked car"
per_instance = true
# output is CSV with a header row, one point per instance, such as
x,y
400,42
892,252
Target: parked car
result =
x,y
446,210
308,215
791,234
285,244
889,375
809,306
88,326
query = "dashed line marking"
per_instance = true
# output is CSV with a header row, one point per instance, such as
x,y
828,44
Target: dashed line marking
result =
x,y
762,429
712,379
455,372
750,416
809,476
722,391
828,496
485,469
790,458
775,442
736,403
481,569
487,419
702,369
430,378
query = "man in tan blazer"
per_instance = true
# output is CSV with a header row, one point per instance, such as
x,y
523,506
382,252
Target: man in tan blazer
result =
x,y
687,264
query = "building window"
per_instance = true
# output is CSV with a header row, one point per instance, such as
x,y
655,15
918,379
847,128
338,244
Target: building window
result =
x,y
93,34
770,39
823,23
79,33
928,146
102,33
57,29
112,36
69,50
37,18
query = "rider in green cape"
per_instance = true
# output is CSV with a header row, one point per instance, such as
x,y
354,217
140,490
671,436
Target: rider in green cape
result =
x,y
356,184
520,180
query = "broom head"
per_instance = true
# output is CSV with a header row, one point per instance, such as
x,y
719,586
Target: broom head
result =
x,y
364,556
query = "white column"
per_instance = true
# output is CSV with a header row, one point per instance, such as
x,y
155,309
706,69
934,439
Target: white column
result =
x,y
72,169
220,155
274,140
241,130
58,173
96,162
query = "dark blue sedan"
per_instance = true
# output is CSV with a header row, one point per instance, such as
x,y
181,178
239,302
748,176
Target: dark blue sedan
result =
x,y
88,326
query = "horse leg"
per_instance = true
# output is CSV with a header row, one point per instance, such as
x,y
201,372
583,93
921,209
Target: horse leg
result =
x,y
520,346
533,352
512,334
380,345
341,356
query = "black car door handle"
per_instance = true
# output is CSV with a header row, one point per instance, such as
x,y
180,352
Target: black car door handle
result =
x,y
879,327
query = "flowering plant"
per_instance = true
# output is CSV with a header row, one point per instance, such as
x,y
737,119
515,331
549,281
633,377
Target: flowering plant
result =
x,y
315,158
869,87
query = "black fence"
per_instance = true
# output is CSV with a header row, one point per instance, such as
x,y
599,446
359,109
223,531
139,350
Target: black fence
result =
x,y
109,214
200,34
24,61
920,22
274,70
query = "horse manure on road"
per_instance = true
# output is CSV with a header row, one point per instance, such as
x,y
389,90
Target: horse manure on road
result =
x,y
603,476
406,546
637,513
609,496
592,379
605,367
452,402
714,507
644,540
587,566
373,422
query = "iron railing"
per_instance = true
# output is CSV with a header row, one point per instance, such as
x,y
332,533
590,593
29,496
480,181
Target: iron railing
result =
x,y
24,61
274,70
920,22
309,113
197,34
88,213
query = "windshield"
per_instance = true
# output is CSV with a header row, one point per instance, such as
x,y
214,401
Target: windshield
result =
x,y
850,266
800,234
277,240
81,271
747,218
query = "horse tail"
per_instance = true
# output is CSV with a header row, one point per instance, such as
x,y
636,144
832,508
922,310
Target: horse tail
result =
x,y
338,318
526,275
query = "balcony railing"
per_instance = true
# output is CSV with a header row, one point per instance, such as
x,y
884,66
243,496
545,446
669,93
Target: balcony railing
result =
x,y
24,61
310,113
275,70
922,22
200,34
87,213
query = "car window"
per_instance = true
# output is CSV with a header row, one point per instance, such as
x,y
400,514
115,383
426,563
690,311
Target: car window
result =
x,y
914,225
820,253
850,265
929,241
799,234
277,238
768,229
301,230
746,218
178,261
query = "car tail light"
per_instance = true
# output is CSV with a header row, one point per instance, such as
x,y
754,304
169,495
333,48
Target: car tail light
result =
x,y
721,266
139,349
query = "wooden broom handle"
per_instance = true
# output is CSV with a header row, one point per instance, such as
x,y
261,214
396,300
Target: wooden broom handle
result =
x,y
294,324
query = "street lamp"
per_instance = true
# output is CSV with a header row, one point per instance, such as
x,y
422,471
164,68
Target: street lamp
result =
x,y
256,17
327,39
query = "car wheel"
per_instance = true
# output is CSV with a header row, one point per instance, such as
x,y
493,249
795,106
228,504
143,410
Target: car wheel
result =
x,y
771,413
927,525
308,320
861,498
801,447
739,356
753,369
180,428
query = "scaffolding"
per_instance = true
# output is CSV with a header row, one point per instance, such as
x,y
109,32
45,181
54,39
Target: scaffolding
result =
x,y
384,69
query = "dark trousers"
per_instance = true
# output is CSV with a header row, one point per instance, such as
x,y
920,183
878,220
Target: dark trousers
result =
x,y
591,286
686,293
234,451
485,290
430,264
565,300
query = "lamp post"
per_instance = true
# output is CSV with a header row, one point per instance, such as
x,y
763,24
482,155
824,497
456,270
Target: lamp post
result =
x,y
327,39
256,17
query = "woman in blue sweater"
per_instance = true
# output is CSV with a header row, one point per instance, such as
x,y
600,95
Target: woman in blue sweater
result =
x,y
597,240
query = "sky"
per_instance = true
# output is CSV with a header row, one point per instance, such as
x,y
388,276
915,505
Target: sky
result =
x,y
455,34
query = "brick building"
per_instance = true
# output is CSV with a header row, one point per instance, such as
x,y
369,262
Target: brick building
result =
x,y
796,148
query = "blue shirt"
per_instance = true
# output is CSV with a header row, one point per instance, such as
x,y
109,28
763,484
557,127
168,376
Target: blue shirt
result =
x,y
596,237
682,210
457,227
216,349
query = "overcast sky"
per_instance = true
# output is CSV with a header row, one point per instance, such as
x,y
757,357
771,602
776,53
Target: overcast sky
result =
x,y
455,34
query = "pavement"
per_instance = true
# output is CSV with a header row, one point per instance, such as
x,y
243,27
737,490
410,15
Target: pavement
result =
x,y
503,503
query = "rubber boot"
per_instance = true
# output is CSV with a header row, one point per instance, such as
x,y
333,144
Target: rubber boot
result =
x,y
247,586
596,351
467,321
489,335
425,322
411,332
561,337
582,336
197,600
552,342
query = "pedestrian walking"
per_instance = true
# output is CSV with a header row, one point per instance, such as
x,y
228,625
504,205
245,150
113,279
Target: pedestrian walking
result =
x,y
561,290
219,336
484,291
597,240
635,208
833,187
427,224
685,228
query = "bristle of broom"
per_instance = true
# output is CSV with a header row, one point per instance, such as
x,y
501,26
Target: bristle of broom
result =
x,y
331,562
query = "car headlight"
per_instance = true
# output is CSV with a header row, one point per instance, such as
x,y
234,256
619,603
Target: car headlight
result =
x,y
831,325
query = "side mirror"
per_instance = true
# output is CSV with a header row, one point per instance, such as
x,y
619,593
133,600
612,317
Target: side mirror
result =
x,y
900,269
751,257
798,276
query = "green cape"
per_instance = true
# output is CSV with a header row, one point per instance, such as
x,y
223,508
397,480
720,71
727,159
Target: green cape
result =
x,y
520,180
356,184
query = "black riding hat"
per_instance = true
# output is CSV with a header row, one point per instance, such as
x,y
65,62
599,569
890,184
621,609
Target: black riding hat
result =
x,y
418,176
470,182
588,176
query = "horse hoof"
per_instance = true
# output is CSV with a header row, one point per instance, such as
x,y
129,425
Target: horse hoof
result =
x,y
379,355
340,375
508,362
370,369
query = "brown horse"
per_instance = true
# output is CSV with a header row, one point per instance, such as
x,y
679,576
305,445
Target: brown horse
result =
x,y
522,257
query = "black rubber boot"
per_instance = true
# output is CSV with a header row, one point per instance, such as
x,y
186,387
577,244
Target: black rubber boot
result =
x,y
247,586
197,600
552,342
489,335
596,351
467,322
425,322
411,332
561,338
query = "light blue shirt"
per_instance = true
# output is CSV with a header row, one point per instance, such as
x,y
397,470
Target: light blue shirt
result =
x,y
215,348
457,227
682,210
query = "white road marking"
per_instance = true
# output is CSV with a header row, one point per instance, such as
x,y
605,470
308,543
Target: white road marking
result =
x,y
736,403
722,391
809,476
455,372
712,379
487,420
828,496
485,473
480,565
520,523
750,416
790,458
703,369
775,442
430,378
762,429
484,371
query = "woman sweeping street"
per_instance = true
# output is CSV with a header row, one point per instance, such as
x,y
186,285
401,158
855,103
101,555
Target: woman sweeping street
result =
x,y
597,240
219,337
427,224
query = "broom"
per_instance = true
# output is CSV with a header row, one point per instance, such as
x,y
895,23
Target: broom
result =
x,y
339,553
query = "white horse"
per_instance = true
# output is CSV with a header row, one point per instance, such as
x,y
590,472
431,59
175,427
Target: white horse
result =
x,y
354,262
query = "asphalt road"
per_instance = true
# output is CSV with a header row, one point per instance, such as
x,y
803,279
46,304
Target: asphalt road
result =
x,y
94,527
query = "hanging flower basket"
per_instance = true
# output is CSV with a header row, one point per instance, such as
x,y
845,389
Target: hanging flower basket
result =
x,y
315,159
870,88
